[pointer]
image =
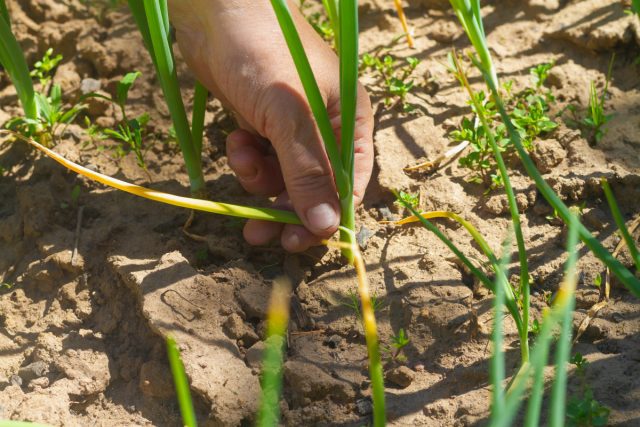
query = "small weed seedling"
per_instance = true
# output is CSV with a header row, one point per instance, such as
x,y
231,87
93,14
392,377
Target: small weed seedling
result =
x,y
529,114
354,304
53,117
130,131
411,199
396,80
594,119
398,343
52,114
320,21
584,410
43,69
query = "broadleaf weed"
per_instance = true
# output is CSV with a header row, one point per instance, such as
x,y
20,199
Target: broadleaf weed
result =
x,y
396,79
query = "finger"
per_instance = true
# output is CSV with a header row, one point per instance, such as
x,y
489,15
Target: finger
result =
x,y
259,233
308,178
363,139
296,238
257,169
363,145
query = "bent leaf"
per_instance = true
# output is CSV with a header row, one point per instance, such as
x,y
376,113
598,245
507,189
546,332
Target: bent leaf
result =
x,y
265,214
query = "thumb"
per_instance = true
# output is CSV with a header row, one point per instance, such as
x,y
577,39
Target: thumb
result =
x,y
290,126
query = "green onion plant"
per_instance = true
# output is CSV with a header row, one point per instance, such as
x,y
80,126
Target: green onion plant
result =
x,y
468,12
506,404
152,19
13,61
181,384
341,157
273,357
620,223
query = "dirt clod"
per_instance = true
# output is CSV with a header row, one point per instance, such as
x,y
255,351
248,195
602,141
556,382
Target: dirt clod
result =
x,y
401,376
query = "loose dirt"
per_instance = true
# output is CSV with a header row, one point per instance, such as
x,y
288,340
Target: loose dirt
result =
x,y
93,284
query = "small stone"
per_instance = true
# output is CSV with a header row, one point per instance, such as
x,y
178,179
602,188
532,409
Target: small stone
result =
x,y
386,213
33,370
97,107
363,236
364,406
15,380
401,376
333,341
548,154
617,317
89,85
419,367
441,408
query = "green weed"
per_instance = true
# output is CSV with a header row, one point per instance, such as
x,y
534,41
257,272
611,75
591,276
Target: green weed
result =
x,y
529,114
398,343
43,69
52,114
353,302
319,21
584,410
593,120
130,131
397,80
411,199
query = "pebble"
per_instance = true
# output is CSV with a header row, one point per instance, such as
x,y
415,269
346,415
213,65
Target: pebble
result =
x,y
33,370
333,341
386,213
364,406
363,236
401,376
89,85
15,380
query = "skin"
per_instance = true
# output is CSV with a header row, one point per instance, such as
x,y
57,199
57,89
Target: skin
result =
x,y
236,49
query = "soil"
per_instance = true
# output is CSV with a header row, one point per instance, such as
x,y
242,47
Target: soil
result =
x,y
93,284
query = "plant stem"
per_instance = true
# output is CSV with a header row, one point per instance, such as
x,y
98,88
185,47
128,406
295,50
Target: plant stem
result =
x,y
497,358
371,336
181,384
563,349
197,119
513,209
511,303
165,64
617,216
12,59
312,91
473,27
348,104
271,383
265,214
331,6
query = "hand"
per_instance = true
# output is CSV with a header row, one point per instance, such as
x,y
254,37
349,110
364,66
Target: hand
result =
x,y
236,49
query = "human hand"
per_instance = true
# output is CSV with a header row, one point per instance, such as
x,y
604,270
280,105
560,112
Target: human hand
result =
x,y
236,49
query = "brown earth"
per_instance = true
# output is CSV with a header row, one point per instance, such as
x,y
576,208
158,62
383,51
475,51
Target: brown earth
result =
x,y
81,335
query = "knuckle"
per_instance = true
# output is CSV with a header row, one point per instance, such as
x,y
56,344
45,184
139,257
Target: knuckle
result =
x,y
313,179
